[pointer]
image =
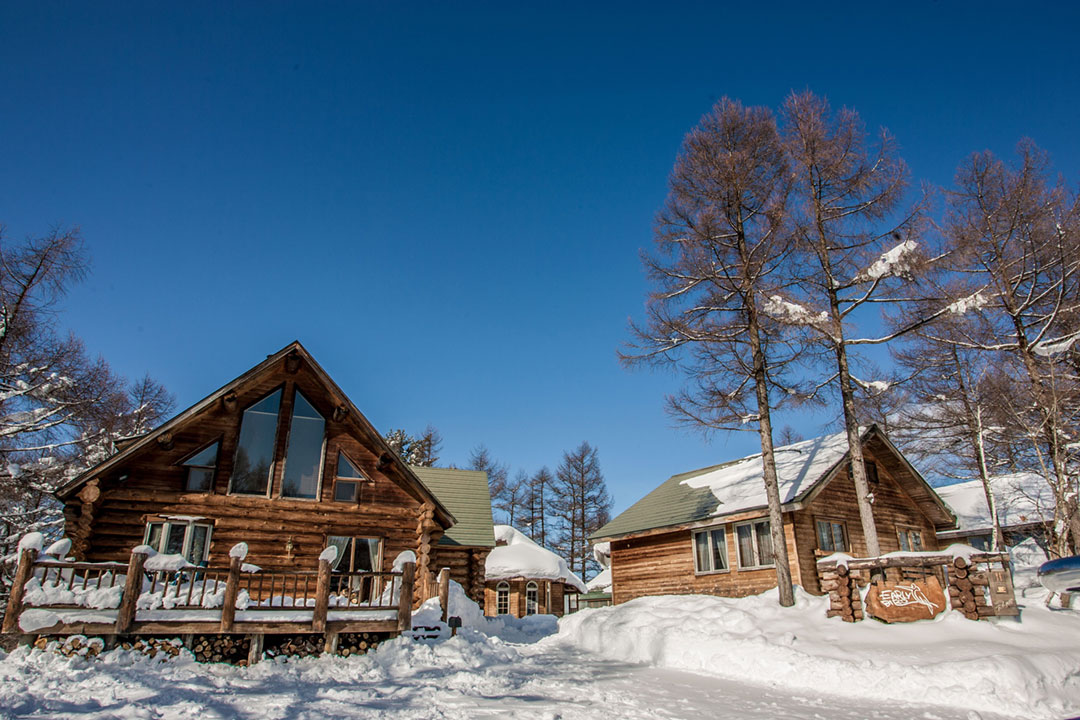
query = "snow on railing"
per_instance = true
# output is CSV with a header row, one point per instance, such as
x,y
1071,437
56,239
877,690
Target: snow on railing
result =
x,y
168,583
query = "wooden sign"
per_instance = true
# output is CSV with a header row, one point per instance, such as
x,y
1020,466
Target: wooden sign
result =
x,y
906,601
1002,594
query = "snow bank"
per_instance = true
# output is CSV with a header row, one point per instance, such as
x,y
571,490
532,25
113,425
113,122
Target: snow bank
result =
x,y
506,627
516,555
1029,669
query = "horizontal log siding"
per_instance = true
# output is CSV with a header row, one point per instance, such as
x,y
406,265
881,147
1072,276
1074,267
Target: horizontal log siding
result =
x,y
664,565
466,568
892,508
154,485
517,597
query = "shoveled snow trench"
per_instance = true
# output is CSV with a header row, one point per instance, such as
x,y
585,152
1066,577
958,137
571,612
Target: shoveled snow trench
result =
x,y
452,679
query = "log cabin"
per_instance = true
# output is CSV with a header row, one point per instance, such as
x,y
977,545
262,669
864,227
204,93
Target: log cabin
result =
x,y
524,578
707,531
281,459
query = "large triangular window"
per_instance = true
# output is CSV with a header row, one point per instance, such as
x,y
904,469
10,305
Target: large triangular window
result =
x,y
254,462
303,459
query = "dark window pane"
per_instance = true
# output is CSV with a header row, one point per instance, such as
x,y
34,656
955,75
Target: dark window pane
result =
x,y
153,538
365,554
199,479
255,449
871,471
904,545
916,541
346,469
345,491
342,545
701,551
746,545
197,554
531,605
175,542
303,460
719,550
206,458
764,543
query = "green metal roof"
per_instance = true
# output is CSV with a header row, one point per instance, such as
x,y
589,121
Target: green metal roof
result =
x,y
670,504
465,494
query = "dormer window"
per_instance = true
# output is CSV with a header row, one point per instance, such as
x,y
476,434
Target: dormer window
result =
x,y
200,469
303,459
254,463
347,482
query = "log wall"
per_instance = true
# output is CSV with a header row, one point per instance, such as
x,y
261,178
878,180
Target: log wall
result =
x,y
105,526
518,586
466,567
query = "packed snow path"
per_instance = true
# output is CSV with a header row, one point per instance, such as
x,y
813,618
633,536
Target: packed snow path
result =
x,y
455,679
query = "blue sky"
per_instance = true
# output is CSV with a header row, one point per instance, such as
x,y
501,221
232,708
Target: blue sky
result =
x,y
445,203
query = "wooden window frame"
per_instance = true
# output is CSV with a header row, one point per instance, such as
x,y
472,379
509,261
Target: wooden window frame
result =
x,y
693,548
214,468
350,550
166,530
873,477
817,535
754,542
901,530
285,452
502,587
360,481
239,426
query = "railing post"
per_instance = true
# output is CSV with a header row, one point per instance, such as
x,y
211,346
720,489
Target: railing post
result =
x,y
444,592
125,616
18,588
322,597
232,589
404,613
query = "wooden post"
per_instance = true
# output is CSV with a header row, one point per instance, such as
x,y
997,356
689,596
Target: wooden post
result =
x,y
444,592
125,616
232,589
23,574
255,648
404,613
322,597
330,643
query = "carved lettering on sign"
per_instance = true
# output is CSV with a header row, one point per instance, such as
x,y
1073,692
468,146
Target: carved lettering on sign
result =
x,y
906,601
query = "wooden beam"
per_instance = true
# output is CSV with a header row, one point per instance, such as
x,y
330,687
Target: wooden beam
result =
x,y
18,589
125,615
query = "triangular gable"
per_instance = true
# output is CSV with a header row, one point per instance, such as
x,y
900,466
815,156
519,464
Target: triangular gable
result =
x,y
292,352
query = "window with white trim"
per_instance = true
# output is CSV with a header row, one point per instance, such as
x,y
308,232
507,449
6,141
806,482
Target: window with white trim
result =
x,y
754,541
710,550
502,598
532,601
180,537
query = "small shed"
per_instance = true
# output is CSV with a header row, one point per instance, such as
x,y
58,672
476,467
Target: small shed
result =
x,y
1025,506
524,578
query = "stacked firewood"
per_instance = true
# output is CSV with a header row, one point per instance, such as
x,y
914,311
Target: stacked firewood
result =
x,y
299,645
357,643
966,590
221,648
72,646
844,600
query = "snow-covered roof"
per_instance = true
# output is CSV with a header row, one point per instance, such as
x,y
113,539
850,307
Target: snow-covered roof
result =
x,y
516,555
738,485
600,583
1021,498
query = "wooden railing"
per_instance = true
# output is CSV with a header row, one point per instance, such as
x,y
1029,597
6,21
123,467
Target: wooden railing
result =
x,y
70,585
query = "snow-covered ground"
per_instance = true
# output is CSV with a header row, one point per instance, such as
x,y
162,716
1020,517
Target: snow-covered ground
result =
x,y
673,657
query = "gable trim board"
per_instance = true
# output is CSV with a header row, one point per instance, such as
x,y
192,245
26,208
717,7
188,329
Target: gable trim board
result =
x,y
405,474
675,505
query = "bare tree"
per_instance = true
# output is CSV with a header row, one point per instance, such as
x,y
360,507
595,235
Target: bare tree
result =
x,y
534,510
498,475
60,409
721,249
1015,249
580,505
845,200
422,450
